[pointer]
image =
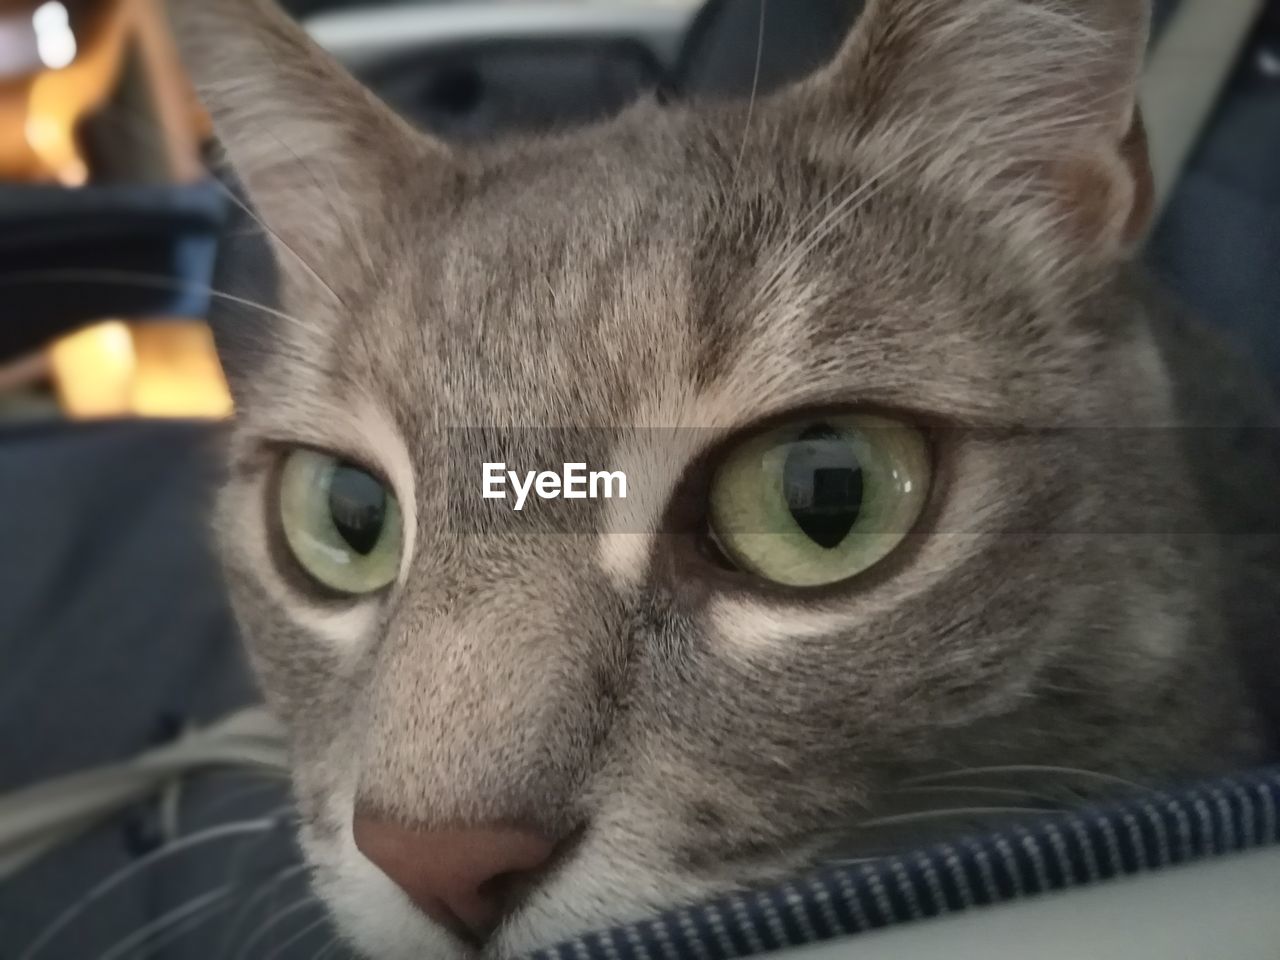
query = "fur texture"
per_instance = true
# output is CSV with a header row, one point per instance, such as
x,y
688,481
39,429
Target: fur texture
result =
x,y
938,225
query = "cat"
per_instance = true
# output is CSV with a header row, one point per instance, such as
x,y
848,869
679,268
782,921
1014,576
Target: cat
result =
x,y
914,267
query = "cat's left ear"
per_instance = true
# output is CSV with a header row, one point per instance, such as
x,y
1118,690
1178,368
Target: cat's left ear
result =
x,y
1029,107
324,162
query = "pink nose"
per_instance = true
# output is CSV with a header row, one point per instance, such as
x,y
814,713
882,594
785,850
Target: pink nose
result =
x,y
460,877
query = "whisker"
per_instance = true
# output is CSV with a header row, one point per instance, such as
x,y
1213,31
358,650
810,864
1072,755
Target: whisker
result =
x,y
246,910
138,279
272,780
285,245
203,903
849,861
213,834
1027,768
177,923
329,950
356,248
296,937
146,132
794,253
925,816
351,241
755,90
268,347
249,340
1008,792
270,923
179,930
873,186
919,147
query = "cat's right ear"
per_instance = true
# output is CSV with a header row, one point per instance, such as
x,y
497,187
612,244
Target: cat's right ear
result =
x,y
319,157
1025,107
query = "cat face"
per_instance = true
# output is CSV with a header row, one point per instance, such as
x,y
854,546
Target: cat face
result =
x,y
918,248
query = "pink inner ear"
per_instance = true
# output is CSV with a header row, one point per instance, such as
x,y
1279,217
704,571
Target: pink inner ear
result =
x,y
1110,196
1137,158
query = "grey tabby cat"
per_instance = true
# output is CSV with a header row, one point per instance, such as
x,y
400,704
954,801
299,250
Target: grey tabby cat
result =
x,y
900,288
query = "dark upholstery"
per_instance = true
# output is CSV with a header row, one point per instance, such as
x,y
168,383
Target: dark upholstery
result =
x,y
1218,245
71,257
114,636
473,91
113,629
788,39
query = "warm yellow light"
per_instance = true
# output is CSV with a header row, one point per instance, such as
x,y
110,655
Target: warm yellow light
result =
x,y
93,371
50,140
178,373
154,369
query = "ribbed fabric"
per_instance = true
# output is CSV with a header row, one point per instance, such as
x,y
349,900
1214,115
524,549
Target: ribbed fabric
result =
x,y
1148,833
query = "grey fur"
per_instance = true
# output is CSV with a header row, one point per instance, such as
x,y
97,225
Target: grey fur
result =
x,y
939,224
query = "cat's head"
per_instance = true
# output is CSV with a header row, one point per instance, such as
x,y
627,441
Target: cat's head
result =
x,y
548,720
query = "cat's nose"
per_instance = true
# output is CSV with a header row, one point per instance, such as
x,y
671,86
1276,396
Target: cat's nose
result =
x,y
462,877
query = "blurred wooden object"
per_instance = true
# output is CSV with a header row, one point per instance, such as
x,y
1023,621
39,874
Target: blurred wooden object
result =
x,y
62,64
176,368
153,369
177,373
181,122
41,112
93,370
24,372
67,68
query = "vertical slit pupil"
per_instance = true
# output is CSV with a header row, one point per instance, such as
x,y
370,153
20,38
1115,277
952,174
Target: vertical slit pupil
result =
x,y
358,506
822,483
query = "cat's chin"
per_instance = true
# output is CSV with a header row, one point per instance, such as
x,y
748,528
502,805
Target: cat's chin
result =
x,y
375,918
596,889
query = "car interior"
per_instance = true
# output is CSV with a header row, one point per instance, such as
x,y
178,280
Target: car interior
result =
x,y
144,799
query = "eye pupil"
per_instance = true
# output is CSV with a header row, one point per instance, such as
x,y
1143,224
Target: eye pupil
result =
x,y
358,506
822,483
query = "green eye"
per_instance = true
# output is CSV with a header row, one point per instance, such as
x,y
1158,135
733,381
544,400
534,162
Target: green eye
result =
x,y
820,501
341,523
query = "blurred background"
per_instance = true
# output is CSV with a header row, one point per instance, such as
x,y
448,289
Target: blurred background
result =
x,y
143,813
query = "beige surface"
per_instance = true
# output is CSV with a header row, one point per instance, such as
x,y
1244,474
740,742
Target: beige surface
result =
x,y
1186,74
1226,909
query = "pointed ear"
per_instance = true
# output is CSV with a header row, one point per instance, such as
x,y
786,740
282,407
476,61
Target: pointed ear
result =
x,y
1028,106
320,158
